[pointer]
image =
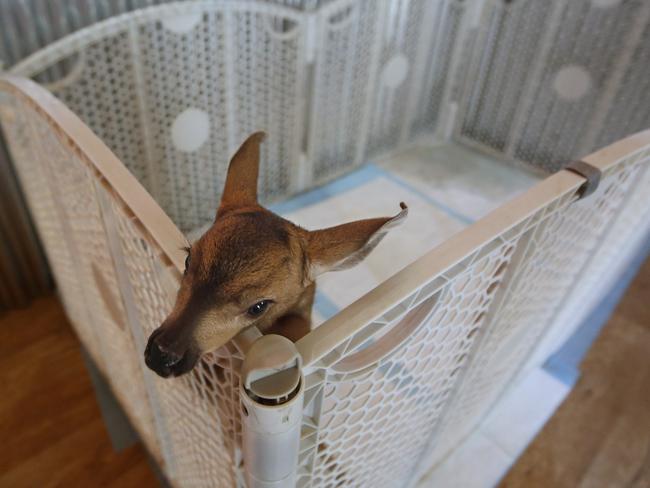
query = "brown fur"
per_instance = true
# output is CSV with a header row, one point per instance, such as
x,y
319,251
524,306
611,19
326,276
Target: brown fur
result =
x,y
251,255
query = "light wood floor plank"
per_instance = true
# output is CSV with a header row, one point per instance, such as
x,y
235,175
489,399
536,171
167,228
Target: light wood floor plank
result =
x,y
51,430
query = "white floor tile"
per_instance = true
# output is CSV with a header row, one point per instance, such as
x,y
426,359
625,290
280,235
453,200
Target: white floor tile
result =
x,y
425,227
464,180
521,414
487,455
477,463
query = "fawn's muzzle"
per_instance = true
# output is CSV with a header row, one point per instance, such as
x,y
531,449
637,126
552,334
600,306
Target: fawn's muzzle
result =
x,y
165,360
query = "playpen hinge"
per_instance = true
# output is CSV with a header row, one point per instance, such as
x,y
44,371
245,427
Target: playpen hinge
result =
x,y
272,396
589,172
311,40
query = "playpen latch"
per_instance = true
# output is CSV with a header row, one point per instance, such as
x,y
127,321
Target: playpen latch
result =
x,y
587,171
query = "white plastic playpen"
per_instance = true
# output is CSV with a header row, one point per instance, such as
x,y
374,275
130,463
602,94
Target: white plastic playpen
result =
x,y
390,385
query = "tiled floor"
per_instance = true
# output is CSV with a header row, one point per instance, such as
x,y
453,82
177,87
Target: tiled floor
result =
x,y
425,227
465,181
523,411
485,457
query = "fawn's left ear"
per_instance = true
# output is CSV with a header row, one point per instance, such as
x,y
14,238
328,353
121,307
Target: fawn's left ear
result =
x,y
343,246
240,189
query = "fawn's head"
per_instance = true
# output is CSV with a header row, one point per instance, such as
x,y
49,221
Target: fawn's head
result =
x,y
250,268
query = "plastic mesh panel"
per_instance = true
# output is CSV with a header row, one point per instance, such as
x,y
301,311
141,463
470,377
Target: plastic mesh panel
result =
x,y
400,37
374,422
368,422
343,73
628,112
199,420
102,92
242,73
629,224
532,268
181,72
174,90
74,180
96,306
509,38
267,54
438,67
547,266
29,139
198,426
556,125
32,24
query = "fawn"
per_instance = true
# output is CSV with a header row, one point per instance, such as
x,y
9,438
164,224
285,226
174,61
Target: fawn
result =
x,y
253,268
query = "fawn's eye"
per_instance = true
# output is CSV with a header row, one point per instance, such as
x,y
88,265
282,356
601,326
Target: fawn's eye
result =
x,y
258,309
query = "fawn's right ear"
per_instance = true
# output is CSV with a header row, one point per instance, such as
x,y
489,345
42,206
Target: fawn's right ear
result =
x,y
240,189
343,246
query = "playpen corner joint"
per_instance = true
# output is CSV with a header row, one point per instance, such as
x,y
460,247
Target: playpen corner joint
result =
x,y
590,173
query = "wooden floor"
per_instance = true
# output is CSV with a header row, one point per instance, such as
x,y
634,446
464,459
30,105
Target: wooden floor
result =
x,y
52,434
51,429
600,435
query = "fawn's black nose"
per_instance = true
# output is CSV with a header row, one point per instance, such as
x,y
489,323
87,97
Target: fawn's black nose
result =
x,y
161,360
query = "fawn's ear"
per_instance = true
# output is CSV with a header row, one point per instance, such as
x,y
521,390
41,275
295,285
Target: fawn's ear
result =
x,y
241,182
343,246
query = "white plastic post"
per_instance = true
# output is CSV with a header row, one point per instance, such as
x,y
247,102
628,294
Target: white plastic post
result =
x,y
271,392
